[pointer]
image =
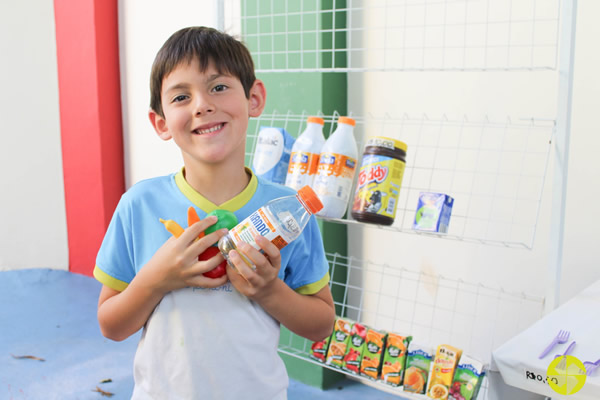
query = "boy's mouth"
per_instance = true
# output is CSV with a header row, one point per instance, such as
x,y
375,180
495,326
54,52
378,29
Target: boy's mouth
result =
x,y
202,131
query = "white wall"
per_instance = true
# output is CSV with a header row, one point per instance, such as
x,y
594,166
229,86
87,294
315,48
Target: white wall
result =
x,y
144,25
581,264
32,209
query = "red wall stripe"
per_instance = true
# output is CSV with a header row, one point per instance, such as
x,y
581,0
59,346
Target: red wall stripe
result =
x,y
90,120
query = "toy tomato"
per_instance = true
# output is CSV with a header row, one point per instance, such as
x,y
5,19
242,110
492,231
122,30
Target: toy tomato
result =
x,y
220,269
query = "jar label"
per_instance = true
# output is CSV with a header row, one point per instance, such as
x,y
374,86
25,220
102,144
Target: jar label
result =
x,y
378,188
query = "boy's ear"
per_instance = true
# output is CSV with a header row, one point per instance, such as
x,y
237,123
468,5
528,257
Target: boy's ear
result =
x,y
258,98
159,124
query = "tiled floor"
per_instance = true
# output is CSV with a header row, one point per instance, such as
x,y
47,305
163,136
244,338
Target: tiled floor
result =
x,y
51,315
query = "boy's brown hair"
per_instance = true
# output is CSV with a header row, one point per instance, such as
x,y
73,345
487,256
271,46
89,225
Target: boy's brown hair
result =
x,y
204,44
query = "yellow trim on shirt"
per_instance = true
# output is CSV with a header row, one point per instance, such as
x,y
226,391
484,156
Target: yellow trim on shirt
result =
x,y
208,206
313,288
109,281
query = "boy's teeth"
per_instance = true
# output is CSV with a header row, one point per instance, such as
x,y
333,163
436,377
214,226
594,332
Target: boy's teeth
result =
x,y
214,128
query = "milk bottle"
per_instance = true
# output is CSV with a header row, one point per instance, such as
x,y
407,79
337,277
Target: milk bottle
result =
x,y
305,155
337,166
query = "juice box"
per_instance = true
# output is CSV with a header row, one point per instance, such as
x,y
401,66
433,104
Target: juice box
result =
x,y
418,364
442,372
467,379
433,212
394,359
356,345
338,344
318,350
372,353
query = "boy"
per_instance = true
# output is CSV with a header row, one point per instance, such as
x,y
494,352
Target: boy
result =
x,y
206,338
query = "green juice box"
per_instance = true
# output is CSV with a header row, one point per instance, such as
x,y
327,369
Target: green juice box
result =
x,y
372,354
338,344
394,359
318,350
356,346
467,379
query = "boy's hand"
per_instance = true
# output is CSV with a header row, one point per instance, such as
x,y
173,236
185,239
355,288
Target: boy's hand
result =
x,y
175,265
255,284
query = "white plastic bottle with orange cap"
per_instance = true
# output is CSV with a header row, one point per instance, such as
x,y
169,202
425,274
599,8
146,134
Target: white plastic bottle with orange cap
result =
x,y
337,166
304,159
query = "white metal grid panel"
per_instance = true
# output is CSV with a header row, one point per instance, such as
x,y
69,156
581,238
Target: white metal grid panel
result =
x,y
420,35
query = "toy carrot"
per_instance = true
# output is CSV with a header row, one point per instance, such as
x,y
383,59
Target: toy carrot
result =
x,y
193,217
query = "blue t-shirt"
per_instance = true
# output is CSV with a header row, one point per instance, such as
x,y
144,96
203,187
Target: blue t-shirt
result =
x,y
135,232
199,342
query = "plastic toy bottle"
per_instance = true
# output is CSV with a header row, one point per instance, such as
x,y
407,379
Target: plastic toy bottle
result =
x,y
281,221
305,155
337,166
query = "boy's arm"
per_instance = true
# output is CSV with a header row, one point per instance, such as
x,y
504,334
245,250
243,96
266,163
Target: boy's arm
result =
x,y
310,316
174,266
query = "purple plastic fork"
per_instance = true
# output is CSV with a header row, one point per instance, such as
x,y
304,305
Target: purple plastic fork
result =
x,y
561,338
591,367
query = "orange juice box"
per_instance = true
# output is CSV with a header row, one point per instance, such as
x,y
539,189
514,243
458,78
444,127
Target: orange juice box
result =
x,y
442,373
318,350
356,345
418,364
394,359
338,344
372,354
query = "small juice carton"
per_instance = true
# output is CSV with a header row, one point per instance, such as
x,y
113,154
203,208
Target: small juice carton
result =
x,y
442,372
418,364
433,212
318,350
356,345
338,344
467,379
372,353
394,359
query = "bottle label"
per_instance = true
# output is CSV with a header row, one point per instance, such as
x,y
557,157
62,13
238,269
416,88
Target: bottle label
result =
x,y
378,188
302,168
257,224
334,175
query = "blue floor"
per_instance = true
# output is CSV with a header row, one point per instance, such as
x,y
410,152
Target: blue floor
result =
x,y
51,315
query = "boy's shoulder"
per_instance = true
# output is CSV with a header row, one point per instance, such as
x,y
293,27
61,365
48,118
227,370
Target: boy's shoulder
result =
x,y
149,186
269,188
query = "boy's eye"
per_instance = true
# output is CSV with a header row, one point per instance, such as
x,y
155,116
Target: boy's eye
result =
x,y
179,98
219,88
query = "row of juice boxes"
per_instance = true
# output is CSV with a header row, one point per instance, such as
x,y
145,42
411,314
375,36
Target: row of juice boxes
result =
x,y
396,360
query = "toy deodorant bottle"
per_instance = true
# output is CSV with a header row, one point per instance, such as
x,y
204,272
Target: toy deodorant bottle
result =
x,y
281,221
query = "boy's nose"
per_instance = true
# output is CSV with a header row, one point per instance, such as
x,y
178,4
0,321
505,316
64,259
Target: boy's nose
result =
x,y
204,105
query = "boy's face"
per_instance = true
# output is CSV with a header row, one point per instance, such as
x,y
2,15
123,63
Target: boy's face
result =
x,y
206,113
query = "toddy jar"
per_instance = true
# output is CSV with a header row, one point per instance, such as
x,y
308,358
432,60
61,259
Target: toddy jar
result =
x,y
379,181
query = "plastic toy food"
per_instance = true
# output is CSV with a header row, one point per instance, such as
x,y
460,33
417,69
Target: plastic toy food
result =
x,y
225,219
220,269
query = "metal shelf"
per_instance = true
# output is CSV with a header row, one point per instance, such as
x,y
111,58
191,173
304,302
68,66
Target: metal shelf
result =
x,y
494,170
433,309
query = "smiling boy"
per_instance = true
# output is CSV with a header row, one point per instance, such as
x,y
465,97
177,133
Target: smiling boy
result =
x,y
207,338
